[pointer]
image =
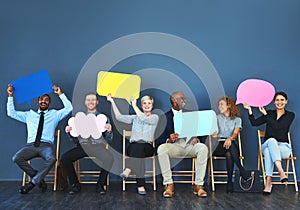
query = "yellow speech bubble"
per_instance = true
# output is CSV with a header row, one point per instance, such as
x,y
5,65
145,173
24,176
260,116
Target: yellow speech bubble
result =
x,y
119,85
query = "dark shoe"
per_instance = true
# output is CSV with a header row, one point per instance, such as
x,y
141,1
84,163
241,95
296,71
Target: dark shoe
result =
x,y
43,186
100,189
141,192
75,188
26,188
267,192
284,180
229,187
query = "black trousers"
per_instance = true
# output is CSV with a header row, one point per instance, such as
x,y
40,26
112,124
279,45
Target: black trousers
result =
x,y
232,156
137,151
104,159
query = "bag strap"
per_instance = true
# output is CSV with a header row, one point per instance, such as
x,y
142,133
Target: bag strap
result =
x,y
252,180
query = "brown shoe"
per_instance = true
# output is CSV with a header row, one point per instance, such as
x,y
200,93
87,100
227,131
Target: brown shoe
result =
x,y
169,191
198,190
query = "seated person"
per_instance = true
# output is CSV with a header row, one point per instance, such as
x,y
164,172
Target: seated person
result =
x,y
89,147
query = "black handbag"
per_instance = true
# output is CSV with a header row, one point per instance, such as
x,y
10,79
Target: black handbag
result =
x,y
253,184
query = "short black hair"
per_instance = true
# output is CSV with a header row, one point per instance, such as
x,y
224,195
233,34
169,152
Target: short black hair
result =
x,y
281,94
45,95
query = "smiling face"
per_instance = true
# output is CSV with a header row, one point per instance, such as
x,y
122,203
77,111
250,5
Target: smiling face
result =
x,y
147,104
280,101
44,102
223,107
178,101
91,102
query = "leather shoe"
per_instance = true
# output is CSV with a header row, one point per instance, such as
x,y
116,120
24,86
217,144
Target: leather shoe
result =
x,y
75,188
267,192
43,186
199,191
169,191
284,180
100,189
26,188
229,187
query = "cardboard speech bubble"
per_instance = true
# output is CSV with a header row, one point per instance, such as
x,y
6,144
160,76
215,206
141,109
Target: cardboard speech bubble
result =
x,y
87,125
255,92
119,85
197,123
32,86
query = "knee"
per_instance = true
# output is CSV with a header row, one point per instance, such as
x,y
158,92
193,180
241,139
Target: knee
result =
x,y
161,149
51,159
228,155
201,148
16,158
272,141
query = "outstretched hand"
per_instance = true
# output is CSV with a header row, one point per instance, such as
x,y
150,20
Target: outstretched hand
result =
x,y
262,110
246,106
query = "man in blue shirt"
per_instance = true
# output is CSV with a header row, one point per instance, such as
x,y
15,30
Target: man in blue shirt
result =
x,y
44,147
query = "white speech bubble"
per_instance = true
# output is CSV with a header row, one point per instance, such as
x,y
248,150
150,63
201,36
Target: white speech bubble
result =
x,y
88,125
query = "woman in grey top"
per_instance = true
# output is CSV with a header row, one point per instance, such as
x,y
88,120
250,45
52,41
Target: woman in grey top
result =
x,y
142,134
229,124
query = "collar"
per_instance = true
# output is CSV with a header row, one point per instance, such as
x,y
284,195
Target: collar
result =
x,y
39,111
176,112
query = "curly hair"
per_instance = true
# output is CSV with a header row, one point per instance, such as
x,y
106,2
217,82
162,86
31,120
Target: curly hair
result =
x,y
234,110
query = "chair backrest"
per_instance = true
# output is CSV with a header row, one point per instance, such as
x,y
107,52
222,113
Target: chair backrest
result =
x,y
126,134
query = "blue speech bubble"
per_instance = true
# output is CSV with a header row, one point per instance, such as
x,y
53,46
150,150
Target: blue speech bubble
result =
x,y
32,86
196,123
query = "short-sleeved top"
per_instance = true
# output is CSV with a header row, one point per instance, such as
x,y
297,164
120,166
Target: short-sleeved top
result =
x,y
227,125
143,127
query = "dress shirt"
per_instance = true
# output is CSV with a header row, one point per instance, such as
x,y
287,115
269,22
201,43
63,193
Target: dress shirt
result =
x,y
31,118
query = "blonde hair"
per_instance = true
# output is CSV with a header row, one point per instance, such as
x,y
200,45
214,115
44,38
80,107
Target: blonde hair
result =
x,y
147,98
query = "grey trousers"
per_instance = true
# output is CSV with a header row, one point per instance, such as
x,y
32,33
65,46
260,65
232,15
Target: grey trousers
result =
x,y
45,151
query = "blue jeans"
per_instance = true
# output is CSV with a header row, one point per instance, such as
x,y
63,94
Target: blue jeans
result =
x,y
274,151
45,151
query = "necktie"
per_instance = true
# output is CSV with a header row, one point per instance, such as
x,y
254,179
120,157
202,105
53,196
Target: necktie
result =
x,y
39,131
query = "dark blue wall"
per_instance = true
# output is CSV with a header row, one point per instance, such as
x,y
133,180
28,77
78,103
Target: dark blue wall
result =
x,y
242,39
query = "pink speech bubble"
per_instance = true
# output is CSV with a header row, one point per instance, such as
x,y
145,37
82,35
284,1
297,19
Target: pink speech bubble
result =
x,y
255,92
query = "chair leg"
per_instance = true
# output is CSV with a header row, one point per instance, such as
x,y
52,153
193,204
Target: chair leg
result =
x,y
294,174
153,173
212,175
55,176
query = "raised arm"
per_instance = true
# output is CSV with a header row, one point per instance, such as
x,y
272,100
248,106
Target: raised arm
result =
x,y
67,104
10,107
135,107
113,104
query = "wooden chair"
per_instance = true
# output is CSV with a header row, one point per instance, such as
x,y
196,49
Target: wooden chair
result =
x,y
53,173
185,173
212,174
84,175
290,159
126,135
